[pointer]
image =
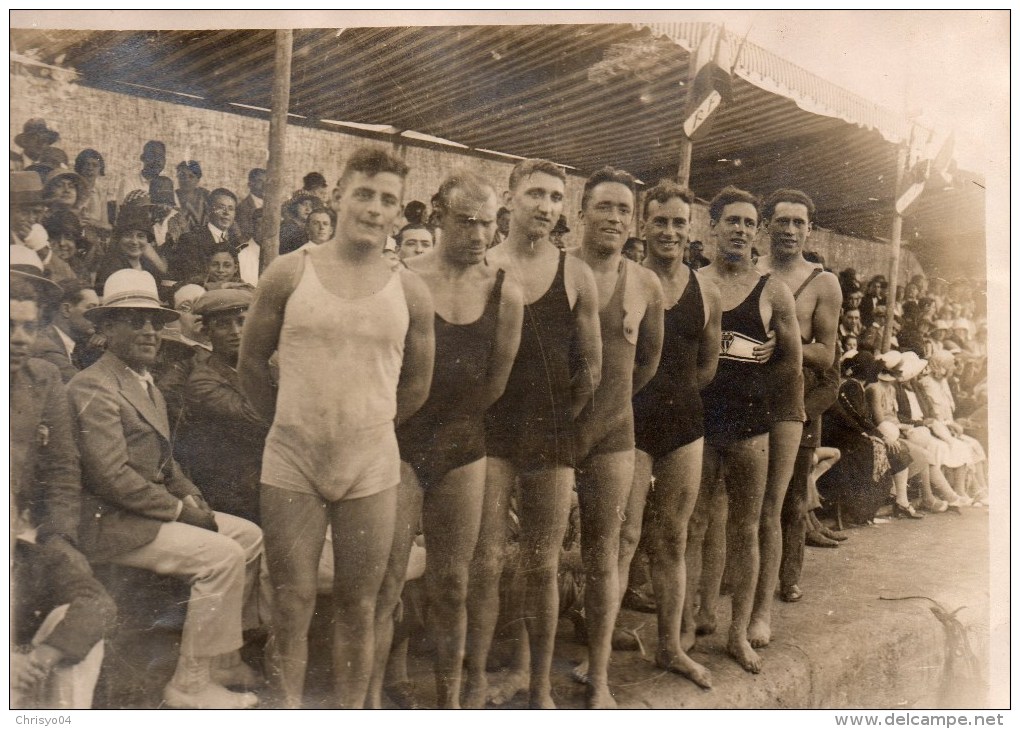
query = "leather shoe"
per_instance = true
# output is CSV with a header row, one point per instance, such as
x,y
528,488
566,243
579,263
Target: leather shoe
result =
x,y
817,539
834,536
791,594
905,512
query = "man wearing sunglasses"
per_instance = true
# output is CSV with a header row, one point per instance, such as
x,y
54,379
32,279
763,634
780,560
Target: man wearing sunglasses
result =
x,y
144,512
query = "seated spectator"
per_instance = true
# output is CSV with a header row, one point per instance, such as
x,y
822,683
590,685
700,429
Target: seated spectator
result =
x,y
62,342
92,206
315,184
320,227
226,436
67,241
168,224
50,159
223,268
634,249
293,233
559,231
849,326
849,282
34,137
502,227
54,267
60,612
26,205
184,345
853,301
131,247
414,212
64,191
873,303
413,240
249,210
145,513
190,257
696,256
192,199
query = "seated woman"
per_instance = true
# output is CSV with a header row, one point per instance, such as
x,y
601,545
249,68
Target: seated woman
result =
x,y
91,207
860,481
938,408
131,247
68,243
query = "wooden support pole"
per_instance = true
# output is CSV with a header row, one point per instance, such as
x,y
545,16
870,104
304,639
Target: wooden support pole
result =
x,y
274,195
894,255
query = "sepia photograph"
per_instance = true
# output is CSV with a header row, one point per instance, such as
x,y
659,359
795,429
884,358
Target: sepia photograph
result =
x,y
510,360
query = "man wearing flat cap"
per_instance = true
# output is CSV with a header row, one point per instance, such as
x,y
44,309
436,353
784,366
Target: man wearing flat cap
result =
x,y
60,612
143,512
225,436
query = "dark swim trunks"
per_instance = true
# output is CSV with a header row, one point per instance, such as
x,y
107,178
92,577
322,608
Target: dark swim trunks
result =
x,y
667,411
449,430
531,424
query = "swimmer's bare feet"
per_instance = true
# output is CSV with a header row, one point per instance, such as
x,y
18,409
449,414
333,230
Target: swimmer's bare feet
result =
x,y
509,685
682,664
475,691
759,632
742,653
599,697
580,672
687,639
705,623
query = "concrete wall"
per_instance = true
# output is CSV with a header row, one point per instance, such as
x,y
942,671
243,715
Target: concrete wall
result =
x,y
228,145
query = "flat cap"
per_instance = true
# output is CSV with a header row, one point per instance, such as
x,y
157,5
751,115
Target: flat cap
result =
x,y
220,300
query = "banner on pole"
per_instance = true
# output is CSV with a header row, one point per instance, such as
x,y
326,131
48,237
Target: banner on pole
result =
x,y
711,86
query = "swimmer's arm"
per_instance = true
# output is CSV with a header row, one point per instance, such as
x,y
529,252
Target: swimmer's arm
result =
x,y
711,335
649,343
784,323
587,335
824,323
261,334
419,347
508,339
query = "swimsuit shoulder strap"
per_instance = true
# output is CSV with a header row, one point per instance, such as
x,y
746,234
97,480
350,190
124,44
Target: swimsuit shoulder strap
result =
x,y
809,279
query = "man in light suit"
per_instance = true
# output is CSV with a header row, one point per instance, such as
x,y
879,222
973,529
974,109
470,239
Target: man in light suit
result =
x,y
142,511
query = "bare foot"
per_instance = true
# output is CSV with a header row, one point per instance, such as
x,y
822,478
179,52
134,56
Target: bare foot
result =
x,y
580,672
682,664
475,692
705,624
599,697
687,639
743,654
541,700
509,685
759,632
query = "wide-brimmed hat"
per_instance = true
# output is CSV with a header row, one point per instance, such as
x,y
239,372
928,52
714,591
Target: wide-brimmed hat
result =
x,y
130,289
58,174
36,129
25,264
912,366
891,363
26,188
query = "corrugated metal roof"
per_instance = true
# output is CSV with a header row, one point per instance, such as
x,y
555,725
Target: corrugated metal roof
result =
x,y
581,95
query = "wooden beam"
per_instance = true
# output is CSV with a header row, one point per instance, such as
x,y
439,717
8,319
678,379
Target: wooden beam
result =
x,y
894,252
277,146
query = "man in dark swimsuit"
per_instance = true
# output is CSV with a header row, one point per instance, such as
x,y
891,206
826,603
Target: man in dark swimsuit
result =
x,y
737,418
788,216
530,429
478,316
630,317
668,420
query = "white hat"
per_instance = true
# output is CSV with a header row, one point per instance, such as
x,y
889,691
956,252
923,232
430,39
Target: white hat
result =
x,y
912,366
188,292
890,360
26,265
37,238
127,288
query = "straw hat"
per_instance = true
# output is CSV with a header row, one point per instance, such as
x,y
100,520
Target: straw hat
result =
x,y
130,289
891,362
25,264
912,366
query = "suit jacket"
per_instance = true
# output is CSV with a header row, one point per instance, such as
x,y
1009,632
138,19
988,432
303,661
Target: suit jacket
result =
x,y
45,470
247,219
189,256
51,348
132,484
223,439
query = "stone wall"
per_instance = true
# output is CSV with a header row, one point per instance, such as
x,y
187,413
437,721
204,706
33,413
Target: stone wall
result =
x,y
227,145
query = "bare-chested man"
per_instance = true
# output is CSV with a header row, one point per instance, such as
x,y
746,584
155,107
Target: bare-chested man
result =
x,y
442,446
356,349
788,215
668,420
530,429
630,317
737,417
